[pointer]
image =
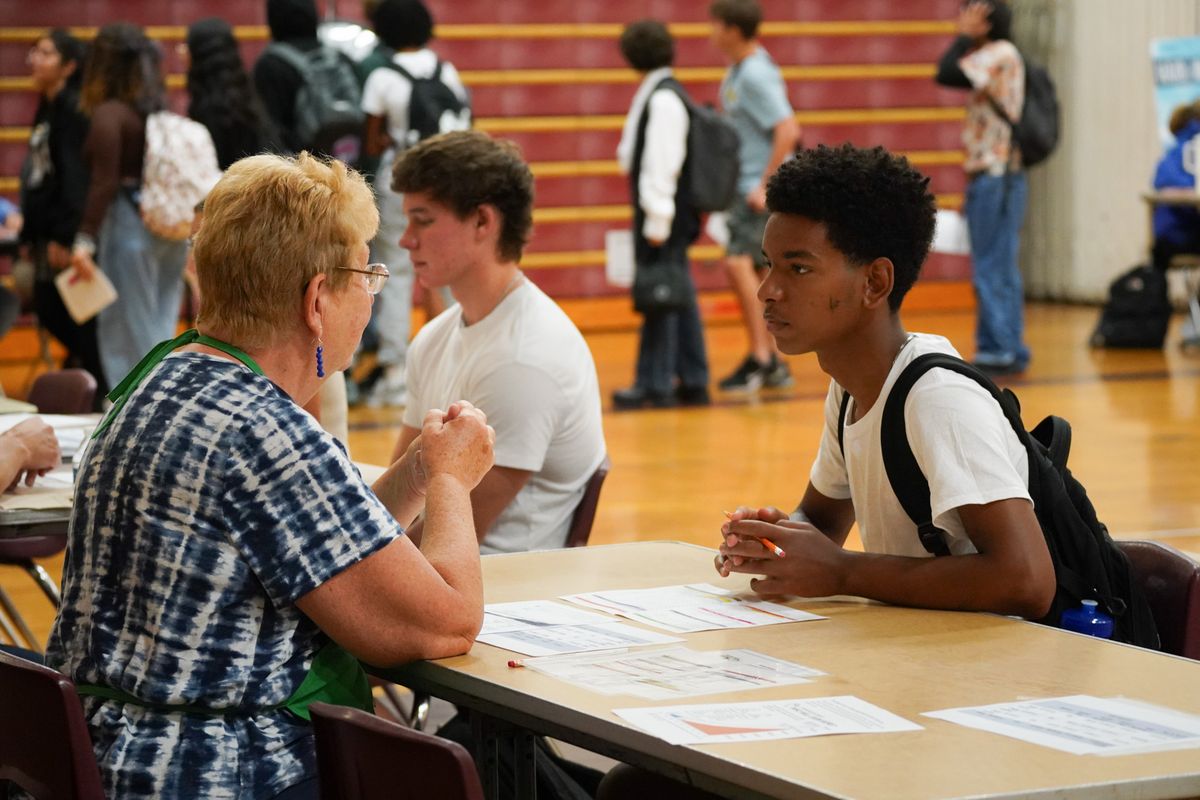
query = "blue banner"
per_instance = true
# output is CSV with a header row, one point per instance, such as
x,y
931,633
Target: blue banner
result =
x,y
1176,66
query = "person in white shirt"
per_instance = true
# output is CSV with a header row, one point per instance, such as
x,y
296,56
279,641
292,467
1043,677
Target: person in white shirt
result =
x,y
406,27
847,234
653,153
506,346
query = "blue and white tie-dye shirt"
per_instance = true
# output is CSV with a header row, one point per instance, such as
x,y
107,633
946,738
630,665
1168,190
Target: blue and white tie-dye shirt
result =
x,y
205,510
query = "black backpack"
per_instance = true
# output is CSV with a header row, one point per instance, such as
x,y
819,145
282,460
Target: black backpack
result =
x,y
328,111
1087,563
433,108
1036,133
1137,313
710,170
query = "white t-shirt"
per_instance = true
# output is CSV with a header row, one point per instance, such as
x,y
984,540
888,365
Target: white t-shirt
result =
x,y
528,368
387,93
964,445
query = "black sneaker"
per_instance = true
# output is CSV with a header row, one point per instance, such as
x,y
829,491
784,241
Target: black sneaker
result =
x,y
635,397
748,377
777,375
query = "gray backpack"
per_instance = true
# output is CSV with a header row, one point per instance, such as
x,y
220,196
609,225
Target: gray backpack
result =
x,y
328,112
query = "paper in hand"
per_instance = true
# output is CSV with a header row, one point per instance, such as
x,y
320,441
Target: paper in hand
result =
x,y
84,299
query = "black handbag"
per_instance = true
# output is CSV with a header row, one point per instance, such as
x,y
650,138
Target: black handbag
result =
x,y
660,286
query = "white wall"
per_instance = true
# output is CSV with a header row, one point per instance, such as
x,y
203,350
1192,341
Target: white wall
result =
x,y
1086,221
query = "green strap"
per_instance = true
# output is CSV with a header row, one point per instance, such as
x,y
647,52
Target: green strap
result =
x,y
334,677
121,393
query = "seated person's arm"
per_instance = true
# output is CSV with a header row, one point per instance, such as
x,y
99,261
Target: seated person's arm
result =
x,y
1011,574
27,450
831,517
376,139
491,496
401,603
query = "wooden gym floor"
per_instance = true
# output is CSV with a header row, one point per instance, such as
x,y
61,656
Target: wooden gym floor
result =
x,y
1135,414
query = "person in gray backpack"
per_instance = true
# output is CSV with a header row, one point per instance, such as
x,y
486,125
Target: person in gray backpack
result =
x,y
309,90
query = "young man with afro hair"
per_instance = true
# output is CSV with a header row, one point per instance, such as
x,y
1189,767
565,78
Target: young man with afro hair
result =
x,y
848,231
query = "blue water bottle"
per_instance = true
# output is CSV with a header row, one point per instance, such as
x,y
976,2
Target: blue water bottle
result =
x,y
1088,619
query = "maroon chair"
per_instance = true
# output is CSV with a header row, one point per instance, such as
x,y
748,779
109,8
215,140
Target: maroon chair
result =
x,y
1171,583
363,757
64,391
585,512
44,744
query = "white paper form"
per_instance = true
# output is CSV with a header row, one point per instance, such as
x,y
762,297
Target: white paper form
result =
x,y
664,674
543,627
687,608
1083,724
755,722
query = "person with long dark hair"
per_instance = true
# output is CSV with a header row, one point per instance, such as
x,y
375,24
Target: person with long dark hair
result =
x,y
122,86
54,184
222,96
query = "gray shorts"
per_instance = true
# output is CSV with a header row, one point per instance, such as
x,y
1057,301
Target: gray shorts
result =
x,y
746,229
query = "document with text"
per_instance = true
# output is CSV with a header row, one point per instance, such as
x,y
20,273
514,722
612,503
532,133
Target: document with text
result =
x,y
1083,724
666,673
779,719
544,627
690,607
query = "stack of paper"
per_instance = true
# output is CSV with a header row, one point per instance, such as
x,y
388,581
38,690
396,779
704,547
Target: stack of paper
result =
x,y
543,627
691,607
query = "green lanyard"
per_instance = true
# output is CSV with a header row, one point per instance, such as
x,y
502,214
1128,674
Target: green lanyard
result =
x,y
121,393
335,676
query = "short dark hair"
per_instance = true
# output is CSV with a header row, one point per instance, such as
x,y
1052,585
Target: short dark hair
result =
x,y
873,204
647,45
468,169
745,15
403,24
999,19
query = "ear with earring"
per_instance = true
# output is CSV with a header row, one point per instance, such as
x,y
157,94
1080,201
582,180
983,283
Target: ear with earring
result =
x,y
320,360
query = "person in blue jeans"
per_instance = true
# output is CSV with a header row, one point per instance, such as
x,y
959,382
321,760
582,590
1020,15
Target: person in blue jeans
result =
x,y
983,61
653,153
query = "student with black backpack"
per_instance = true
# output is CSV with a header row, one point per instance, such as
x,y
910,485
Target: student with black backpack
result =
x,y
412,96
928,461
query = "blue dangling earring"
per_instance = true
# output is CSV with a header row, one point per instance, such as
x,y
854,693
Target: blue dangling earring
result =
x,y
320,360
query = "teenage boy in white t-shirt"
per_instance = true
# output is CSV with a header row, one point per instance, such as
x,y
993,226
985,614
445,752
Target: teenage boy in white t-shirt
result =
x,y
506,346
848,232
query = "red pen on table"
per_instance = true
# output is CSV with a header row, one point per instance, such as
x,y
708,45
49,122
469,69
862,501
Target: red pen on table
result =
x,y
764,541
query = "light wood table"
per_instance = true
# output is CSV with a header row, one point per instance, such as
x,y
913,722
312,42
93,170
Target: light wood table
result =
x,y
907,661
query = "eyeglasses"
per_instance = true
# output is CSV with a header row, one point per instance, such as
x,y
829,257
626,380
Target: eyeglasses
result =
x,y
376,275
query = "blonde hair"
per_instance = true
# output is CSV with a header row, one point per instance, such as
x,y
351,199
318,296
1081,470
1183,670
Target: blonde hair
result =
x,y
271,224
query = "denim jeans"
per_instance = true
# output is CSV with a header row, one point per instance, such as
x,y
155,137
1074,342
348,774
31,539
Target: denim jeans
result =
x,y
672,345
392,314
995,208
147,273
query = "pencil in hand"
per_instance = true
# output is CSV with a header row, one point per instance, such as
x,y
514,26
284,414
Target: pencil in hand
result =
x,y
764,541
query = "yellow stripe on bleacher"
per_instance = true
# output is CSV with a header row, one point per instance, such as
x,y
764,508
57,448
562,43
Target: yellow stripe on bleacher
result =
x,y
539,77
822,72
10,184
581,169
555,215
612,122
683,30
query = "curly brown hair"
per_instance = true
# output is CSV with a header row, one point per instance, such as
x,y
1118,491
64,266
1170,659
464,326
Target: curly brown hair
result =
x,y
468,169
123,65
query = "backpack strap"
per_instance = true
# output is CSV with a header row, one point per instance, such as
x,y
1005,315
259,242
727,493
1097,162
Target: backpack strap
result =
x,y
842,409
904,474
291,55
408,76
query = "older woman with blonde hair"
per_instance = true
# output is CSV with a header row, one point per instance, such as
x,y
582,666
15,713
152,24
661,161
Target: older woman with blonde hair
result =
x,y
227,565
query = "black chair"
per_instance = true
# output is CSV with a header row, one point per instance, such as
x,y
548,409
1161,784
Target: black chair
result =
x,y
45,748
585,513
363,757
63,391
1171,583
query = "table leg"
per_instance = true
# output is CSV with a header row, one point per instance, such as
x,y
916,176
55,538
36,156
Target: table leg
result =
x,y
487,754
